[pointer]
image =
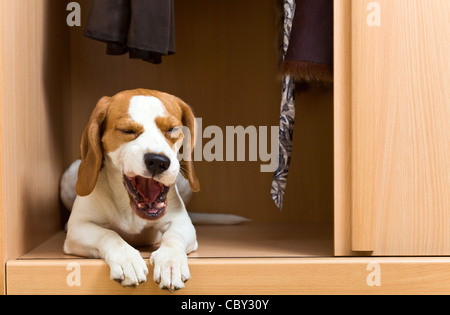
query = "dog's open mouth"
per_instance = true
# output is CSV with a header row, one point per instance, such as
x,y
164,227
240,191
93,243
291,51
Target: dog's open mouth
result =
x,y
148,196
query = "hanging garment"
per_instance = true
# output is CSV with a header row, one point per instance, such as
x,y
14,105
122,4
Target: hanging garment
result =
x,y
287,116
142,28
307,58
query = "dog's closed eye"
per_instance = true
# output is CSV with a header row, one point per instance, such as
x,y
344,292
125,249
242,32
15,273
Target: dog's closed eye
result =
x,y
174,132
128,131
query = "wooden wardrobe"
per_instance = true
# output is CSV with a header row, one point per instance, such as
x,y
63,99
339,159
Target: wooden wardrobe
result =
x,y
367,206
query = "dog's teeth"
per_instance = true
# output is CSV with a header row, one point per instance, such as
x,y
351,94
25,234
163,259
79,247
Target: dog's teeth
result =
x,y
159,205
141,205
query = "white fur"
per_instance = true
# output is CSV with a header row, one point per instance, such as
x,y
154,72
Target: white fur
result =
x,y
67,185
103,225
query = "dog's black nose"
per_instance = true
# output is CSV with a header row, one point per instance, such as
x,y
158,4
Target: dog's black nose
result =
x,y
156,163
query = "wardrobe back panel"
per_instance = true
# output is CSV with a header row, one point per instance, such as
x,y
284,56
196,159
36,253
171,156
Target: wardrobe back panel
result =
x,y
34,83
225,67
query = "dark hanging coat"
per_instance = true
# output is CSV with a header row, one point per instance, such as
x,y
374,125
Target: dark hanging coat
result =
x,y
309,57
143,28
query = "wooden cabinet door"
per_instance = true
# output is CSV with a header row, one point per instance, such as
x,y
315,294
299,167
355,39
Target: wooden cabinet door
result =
x,y
392,115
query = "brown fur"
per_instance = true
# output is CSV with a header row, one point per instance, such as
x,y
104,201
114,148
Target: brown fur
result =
x,y
308,72
91,149
165,124
118,119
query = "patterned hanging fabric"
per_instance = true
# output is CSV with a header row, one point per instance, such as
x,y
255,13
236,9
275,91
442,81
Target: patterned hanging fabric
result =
x,y
308,61
286,117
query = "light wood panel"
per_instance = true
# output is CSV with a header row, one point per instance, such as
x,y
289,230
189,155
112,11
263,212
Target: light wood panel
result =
x,y
247,276
342,128
2,206
400,109
34,79
225,67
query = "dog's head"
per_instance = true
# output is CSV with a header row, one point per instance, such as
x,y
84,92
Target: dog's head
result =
x,y
140,132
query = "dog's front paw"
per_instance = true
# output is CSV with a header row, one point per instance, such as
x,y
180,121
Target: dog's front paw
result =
x,y
127,266
171,269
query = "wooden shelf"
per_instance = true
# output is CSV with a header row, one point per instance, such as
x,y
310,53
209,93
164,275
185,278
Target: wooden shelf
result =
x,y
238,241
244,259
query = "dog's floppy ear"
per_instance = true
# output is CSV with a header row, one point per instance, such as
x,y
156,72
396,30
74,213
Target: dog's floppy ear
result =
x,y
188,120
91,149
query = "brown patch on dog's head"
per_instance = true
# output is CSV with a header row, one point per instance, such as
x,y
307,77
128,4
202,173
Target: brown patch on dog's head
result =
x,y
180,114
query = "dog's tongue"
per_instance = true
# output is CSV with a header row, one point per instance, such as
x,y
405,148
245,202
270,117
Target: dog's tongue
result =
x,y
148,188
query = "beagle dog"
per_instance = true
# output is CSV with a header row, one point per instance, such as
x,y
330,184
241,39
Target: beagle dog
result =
x,y
126,189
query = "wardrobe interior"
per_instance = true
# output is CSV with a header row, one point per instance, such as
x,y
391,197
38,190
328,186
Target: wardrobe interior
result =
x,y
225,67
